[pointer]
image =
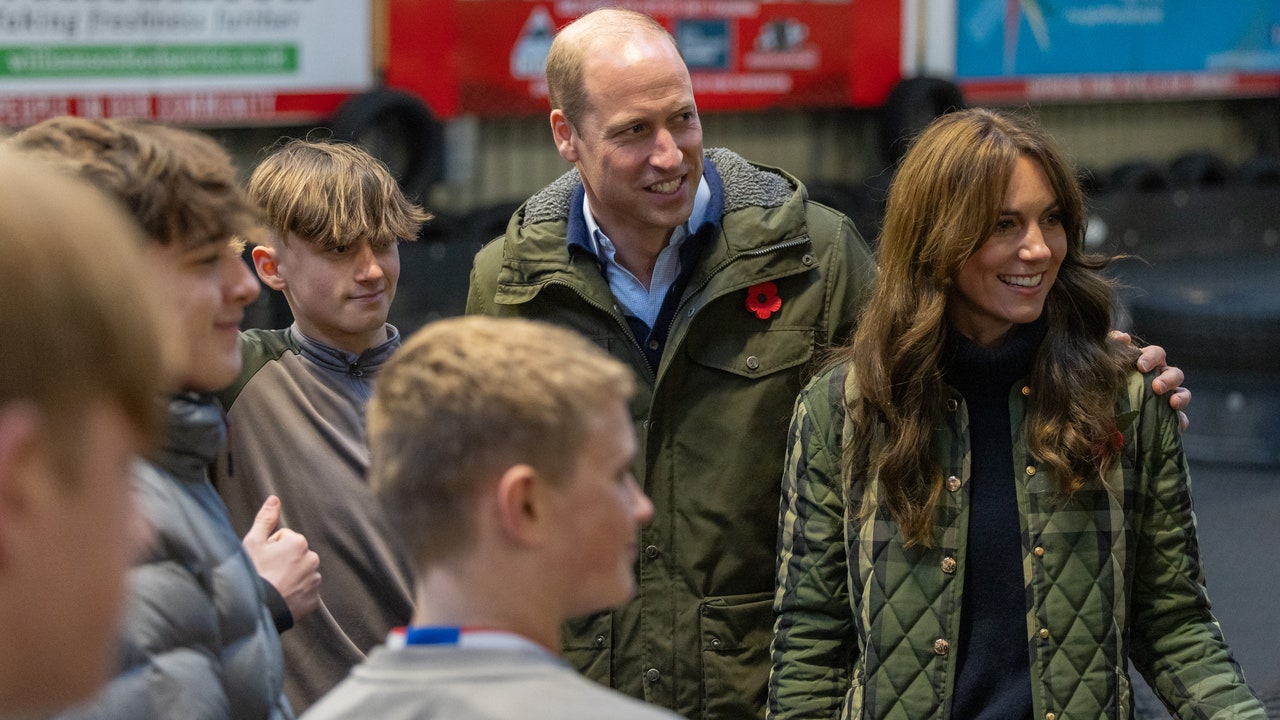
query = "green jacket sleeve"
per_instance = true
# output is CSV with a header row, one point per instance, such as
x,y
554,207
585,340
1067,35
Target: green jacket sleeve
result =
x,y
1177,644
813,634
484,279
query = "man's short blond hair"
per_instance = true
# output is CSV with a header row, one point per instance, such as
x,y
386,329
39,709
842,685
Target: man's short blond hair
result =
x,y
466,398
77,322
331,193
566,60
179,185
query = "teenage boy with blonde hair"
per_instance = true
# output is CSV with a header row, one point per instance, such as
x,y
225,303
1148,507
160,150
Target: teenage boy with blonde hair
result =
x,y
296,411
501,452
80,369
199,641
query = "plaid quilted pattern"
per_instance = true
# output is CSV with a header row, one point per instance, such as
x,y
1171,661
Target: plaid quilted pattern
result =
x,y
1112,573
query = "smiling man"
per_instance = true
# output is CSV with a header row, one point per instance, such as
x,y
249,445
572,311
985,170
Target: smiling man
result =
x,y
296,411
661,252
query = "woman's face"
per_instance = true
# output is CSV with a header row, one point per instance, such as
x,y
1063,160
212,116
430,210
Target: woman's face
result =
x,y
1005,282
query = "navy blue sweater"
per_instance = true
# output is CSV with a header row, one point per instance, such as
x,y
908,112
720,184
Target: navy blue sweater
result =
x,y
993,675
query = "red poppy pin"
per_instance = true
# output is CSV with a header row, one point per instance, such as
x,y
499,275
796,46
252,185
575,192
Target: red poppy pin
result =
x,y
763,300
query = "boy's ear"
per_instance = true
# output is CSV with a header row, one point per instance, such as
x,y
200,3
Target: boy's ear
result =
x,y
267,262
19,475
520,506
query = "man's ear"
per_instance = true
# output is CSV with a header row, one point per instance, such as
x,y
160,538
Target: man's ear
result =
x,y
564,133
20,466
266,260
521,504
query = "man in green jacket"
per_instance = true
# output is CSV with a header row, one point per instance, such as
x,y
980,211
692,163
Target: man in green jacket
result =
x,y
719,283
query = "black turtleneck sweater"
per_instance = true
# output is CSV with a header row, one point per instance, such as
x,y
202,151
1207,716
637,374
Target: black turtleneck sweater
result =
x,y
993,675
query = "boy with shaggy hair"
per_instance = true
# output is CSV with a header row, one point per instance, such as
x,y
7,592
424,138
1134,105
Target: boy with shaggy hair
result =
x,y
80,369
199,641
296,411
501,453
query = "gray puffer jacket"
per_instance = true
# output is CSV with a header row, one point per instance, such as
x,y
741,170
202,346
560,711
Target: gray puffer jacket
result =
x,y
198,642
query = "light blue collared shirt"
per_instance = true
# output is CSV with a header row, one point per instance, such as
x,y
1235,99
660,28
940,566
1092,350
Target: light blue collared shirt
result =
x,y
637,300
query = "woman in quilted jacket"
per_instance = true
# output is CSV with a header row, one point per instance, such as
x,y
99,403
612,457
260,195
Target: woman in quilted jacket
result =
x,y
986,513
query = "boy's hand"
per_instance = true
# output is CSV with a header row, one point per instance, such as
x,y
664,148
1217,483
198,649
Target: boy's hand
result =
x,y
1170,378
284,560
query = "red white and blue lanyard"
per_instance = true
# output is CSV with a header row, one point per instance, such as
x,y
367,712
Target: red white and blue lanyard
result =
x,y
468,637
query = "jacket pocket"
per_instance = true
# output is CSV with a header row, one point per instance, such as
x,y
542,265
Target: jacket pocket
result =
x,y
753,354
735,633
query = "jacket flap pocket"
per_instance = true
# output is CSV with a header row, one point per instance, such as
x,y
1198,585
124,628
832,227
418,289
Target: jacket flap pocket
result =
x,y
737,621
754,354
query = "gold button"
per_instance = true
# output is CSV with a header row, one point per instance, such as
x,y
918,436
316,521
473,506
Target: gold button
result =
x,y
953,483
1044,633
1031,469
949,565
952,405
1050,716
941,647
1026,390
1039,551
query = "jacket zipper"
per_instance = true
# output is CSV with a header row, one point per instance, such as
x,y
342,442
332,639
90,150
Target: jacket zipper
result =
x,y
612,314
726,263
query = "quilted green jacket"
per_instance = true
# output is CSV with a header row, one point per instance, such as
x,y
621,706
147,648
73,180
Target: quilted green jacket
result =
x,y
868,628
711,421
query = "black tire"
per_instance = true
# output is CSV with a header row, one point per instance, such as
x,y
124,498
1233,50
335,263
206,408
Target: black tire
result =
x,y
911,105
1139,176
1199,170
397,128
1260,171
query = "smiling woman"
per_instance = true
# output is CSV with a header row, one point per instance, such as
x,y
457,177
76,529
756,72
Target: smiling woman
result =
x,y
980,489
1005,282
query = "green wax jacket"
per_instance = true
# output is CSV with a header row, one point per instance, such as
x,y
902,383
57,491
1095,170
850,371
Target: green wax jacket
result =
x,y
711,419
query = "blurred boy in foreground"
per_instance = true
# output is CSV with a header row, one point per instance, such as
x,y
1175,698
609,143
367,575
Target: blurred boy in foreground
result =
x,y
80,370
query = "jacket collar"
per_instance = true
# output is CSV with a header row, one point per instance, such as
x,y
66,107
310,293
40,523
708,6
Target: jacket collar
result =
x,y
536,250
579,228
194,435
337,360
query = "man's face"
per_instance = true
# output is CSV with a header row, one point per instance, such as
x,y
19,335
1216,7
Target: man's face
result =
x,y
638,146
340,296
208,288
602,510
91,533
